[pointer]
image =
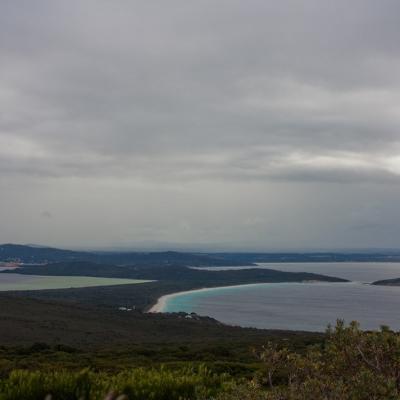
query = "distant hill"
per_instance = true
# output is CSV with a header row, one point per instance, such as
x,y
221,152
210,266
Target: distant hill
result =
x,y
35,254
312,257
44,255
32,254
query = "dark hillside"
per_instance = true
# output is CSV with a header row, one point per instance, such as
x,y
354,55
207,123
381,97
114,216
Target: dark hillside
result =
x,y
25,321
173,273
140,296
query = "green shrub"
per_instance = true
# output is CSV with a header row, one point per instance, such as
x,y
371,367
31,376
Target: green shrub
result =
x,y
137,384
352,365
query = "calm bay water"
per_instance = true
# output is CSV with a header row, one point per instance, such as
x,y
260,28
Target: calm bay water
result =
x,y
353,271
303,306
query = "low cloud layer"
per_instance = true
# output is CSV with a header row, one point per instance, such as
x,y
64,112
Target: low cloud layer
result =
x,y
257,124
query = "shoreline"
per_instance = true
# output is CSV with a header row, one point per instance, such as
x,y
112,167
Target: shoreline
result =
x,y
161,303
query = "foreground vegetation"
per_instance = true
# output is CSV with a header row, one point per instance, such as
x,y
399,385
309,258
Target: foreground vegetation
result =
x,y
351,364
348,364
137,384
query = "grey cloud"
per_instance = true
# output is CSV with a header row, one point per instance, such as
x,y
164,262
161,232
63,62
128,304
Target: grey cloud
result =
x,y
46,214
206,93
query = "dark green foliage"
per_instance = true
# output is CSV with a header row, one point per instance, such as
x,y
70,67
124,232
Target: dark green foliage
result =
x,y
235,358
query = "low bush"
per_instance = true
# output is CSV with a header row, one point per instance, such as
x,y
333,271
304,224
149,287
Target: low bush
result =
x,y
137,384
351,365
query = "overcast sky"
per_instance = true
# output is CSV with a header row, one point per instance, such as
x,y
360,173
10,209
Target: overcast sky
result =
x,y
209,124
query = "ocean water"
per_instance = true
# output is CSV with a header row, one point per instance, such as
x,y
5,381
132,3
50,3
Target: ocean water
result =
x,y
35,282
353,271
303,306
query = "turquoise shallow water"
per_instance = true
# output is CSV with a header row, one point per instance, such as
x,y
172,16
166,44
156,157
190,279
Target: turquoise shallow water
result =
x,y
302,306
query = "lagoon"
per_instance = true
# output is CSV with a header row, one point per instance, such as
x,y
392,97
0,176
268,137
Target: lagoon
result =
x,y
12,281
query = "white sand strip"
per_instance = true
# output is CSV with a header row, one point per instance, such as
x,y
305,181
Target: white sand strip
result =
x,y
162,301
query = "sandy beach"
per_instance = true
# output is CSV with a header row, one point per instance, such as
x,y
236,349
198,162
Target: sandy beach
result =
x,y
162,301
